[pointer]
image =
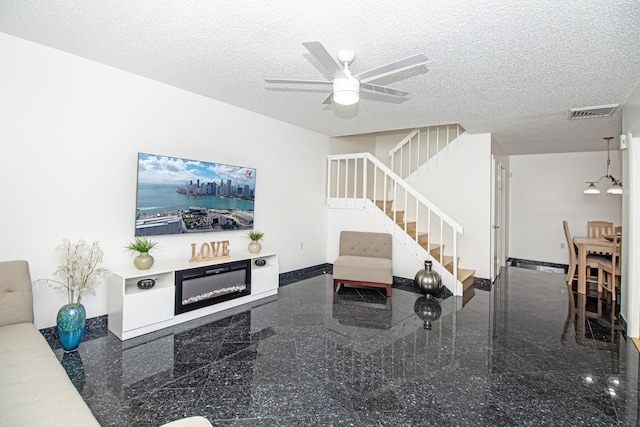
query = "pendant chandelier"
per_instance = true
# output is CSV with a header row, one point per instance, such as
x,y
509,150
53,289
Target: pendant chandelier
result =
x,y
615,187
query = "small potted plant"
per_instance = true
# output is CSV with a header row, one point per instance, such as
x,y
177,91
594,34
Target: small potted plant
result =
x,y
255,246
142,245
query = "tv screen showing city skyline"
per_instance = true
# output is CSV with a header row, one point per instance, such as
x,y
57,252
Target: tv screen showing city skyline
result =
x,y
176,196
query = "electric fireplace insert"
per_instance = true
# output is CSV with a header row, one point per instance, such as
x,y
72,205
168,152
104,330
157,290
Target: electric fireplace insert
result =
x,y
203,286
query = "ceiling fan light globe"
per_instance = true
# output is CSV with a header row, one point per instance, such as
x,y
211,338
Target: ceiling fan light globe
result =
x,y
346,91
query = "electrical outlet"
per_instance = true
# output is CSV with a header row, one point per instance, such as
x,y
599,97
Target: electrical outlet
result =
x,y
301,245
561,245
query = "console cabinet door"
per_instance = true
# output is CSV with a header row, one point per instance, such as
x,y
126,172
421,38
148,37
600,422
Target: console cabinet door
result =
x,y
146,308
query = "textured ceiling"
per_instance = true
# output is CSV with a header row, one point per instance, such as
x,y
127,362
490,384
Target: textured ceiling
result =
x,y
512,68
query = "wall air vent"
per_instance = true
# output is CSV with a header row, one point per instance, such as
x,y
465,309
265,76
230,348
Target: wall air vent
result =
x,y
592,112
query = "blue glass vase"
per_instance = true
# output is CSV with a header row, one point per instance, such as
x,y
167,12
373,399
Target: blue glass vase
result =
x,y
70,320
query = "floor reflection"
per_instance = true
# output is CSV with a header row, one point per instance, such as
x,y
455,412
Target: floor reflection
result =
x,y
427,309
528,352
595,323
364,307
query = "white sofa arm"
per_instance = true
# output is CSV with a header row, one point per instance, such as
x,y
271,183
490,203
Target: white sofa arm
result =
x,y
189,422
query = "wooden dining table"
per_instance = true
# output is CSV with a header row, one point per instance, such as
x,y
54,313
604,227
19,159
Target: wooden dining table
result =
x,y
586,245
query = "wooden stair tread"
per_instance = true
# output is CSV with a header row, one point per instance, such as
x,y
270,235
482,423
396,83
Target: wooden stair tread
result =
x,y
447,262
465,276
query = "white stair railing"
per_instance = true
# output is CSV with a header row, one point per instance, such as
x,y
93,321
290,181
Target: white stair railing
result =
x,y
361,180
420,146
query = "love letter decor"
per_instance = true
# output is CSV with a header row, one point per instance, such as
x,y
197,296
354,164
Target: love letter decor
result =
x,y
210,251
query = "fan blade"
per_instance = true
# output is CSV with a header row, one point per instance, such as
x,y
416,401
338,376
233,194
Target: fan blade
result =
x,y
302,82
394,67
384,90
329,99
326,60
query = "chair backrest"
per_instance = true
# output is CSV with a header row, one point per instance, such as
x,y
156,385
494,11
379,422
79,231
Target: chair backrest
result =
x,y
358,243
16,296
597,228
573,259
618,230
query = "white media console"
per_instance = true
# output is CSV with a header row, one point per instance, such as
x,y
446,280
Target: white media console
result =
x,y
133,311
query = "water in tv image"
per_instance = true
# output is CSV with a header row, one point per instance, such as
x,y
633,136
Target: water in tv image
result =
x,y
187,196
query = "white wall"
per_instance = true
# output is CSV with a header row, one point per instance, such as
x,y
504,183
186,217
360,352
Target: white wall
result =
x,y
546,189
499,208
71,130
386,141
460,185
353,144
630,288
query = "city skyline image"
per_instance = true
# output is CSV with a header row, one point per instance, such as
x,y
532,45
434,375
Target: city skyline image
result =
x,y
176,195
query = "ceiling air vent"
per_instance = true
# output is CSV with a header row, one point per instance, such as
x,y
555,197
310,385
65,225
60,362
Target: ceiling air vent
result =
x,y
592,112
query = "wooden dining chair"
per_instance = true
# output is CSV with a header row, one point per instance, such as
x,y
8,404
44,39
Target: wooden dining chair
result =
x,y
609,270
617,230
592,260
597,228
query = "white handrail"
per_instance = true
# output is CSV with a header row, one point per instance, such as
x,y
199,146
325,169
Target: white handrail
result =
x,y
399,182
404,141
414,160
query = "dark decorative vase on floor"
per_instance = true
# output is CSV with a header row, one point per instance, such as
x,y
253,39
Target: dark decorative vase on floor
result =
x,y
70,321
427,309
428,281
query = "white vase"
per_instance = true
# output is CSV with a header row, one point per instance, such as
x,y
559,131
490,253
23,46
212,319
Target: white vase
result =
x,y
254,247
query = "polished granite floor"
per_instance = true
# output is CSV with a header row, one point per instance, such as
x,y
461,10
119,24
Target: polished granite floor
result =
x,y
515,356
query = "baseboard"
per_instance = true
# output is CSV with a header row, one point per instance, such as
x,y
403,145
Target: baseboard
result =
x,y
305,273
482,284
95,327
550,267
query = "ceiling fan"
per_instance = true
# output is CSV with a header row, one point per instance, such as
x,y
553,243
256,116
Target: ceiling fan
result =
x,y
347,87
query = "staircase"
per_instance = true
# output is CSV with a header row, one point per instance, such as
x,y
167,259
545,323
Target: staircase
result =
x,y
436,250
362,181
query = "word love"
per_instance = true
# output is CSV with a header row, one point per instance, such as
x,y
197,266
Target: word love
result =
x,y
210,251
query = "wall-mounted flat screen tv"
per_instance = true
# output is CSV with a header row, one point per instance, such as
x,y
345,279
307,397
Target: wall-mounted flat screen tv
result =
x,y
177,196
